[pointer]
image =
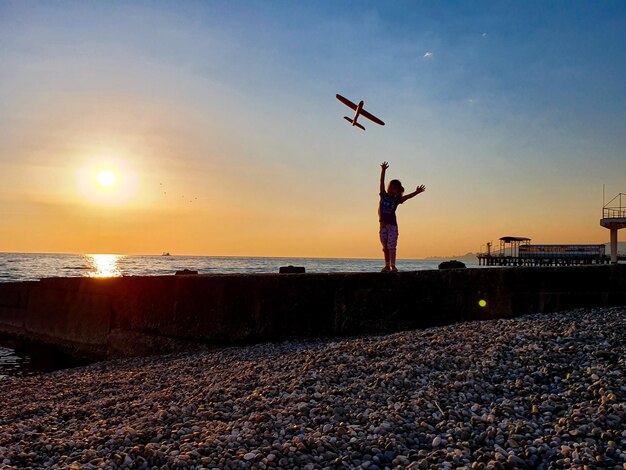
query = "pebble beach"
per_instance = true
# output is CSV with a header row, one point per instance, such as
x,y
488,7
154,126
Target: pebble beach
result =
x,y
541,391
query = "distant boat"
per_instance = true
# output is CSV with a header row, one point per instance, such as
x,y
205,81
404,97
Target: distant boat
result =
x,y
166,253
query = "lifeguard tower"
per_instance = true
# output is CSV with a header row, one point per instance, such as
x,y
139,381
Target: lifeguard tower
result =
x,y
614,218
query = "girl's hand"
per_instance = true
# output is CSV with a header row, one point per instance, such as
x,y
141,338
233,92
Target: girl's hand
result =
x,y
420,189
384,165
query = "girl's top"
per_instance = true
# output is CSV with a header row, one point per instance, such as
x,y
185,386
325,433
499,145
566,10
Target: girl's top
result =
x,y
387,208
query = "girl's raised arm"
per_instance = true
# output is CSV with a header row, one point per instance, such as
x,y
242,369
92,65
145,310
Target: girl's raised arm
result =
x,y
383,169
420,189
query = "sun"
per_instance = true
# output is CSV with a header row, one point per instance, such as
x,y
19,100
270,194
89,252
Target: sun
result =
x,y
107,181
106,178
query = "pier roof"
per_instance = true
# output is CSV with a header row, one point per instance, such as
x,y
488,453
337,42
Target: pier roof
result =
x,y
514,239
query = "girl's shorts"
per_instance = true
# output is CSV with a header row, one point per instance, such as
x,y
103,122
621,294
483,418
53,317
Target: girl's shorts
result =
x,y
389,237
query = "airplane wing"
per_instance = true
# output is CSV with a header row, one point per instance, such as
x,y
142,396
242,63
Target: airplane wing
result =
x,y
371,117
346,101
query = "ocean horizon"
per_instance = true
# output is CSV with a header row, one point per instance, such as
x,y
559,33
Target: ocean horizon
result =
x,y
35,266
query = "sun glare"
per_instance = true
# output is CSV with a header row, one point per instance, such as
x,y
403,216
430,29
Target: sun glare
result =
x,y
106,178
108,181
104,265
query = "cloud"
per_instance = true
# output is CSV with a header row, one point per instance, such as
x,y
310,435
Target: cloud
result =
x,y
428,55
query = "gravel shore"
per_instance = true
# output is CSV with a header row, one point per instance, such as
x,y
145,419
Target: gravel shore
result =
x,y
542,391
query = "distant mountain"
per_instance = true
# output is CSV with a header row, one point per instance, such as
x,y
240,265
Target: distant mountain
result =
x,y
471,257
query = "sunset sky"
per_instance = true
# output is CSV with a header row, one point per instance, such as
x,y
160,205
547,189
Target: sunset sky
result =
x,y
219,123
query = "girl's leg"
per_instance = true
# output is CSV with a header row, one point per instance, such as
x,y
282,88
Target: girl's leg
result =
x,y
392,244
390,258
383,240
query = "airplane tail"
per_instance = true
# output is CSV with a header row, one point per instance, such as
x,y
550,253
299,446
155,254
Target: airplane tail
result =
x,y
353,123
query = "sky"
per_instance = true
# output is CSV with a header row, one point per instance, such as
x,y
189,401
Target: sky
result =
x,y
220,125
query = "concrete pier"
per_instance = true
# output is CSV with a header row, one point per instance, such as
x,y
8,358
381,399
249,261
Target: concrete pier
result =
x,y
129,316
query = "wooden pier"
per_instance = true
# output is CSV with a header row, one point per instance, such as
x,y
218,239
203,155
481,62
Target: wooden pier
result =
x,y
518,251
495,260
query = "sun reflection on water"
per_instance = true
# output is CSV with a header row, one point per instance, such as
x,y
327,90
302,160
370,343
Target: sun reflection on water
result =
x,y
104,265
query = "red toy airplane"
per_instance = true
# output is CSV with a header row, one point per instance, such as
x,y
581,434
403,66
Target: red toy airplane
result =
x,y
358,111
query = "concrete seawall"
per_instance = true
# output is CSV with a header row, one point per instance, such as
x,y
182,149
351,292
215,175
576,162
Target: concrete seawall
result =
x,y
143,315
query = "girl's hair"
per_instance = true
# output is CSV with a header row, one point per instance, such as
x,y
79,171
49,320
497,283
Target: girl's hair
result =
x,y
396,182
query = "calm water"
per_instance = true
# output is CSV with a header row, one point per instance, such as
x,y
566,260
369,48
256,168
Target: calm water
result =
x,y
29,267
22,359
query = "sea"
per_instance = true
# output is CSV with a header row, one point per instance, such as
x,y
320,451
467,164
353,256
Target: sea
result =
x,y
31,267
19,358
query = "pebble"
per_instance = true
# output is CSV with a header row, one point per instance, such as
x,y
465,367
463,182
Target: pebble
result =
x,y
539,391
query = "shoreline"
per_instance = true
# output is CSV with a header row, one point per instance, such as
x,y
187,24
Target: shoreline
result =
x,y
532,391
